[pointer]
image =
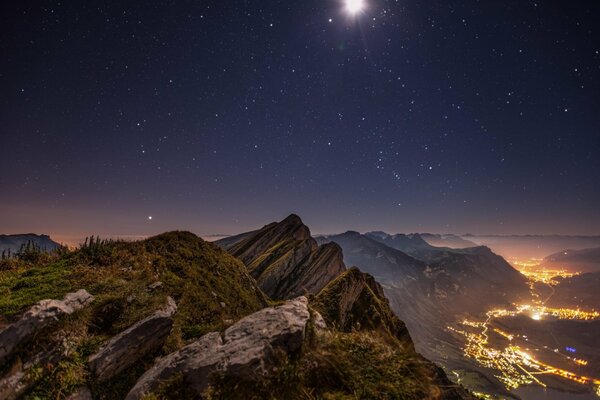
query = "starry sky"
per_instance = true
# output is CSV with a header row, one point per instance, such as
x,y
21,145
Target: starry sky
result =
x,y
221,116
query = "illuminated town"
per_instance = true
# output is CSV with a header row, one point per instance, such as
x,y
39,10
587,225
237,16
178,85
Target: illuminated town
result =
x,y
517,366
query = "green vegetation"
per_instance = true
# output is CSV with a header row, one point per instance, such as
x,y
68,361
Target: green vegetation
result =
x,y
349,366
355,301
369,358
211,288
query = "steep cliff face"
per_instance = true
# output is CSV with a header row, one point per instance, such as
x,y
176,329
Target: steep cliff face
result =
x,y
355,301
285,260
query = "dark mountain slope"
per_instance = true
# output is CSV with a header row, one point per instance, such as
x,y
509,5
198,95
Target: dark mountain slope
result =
x,y
14,242
428,296
476,270
448,240
410,244
586,260
375,258
355,301
579,291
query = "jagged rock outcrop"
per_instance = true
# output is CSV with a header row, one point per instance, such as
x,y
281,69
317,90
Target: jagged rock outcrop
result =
x,y
254,246
37,318
355,301
287,279
285,260
247,350
139,340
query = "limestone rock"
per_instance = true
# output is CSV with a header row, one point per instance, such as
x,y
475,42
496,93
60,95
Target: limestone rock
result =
x,y
38,317
246,351
155,285
14,385
18,380
318,321
137,341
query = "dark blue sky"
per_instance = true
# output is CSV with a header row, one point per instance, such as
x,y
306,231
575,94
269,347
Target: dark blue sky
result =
x,y
219,116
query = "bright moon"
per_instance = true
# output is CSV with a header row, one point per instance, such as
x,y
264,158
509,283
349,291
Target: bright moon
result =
x,y
354,6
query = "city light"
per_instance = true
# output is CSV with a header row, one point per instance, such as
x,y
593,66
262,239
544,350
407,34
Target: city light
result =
x,y
517,366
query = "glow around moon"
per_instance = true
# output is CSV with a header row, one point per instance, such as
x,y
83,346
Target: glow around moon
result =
x,y
354,6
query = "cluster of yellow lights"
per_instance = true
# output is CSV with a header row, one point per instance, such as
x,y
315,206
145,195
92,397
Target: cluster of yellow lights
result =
x,y
532,270
539,312
516,366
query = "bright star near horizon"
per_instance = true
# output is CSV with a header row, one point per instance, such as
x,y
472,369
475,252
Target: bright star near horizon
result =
x,y
150,217
354,6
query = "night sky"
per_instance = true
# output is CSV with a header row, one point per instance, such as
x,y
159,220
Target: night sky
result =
x,y
220,116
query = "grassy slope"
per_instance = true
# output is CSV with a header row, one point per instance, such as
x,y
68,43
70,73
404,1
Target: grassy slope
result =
x,y
367,364
348,366
197,274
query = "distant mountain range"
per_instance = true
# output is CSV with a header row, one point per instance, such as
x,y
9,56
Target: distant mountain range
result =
x,y
580,291
429,286
380,294
532,246
447,240
14,242
585,260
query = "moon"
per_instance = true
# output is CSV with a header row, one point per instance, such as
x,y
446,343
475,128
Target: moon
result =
x,y
354,6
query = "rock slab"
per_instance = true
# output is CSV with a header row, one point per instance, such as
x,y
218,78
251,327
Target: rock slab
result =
x,y
142,338
37,318
247,350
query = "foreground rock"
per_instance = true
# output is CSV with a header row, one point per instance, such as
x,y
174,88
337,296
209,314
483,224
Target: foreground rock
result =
x,y
247,350
139,340
20,378
37,318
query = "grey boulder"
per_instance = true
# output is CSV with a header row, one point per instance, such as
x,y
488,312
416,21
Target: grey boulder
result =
x,y
247,350
142,338
37,318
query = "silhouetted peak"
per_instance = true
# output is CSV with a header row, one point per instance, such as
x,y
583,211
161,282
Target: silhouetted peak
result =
x,y
292,219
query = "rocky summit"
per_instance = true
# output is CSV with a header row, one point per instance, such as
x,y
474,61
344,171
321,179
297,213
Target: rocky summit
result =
x,y
285,260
